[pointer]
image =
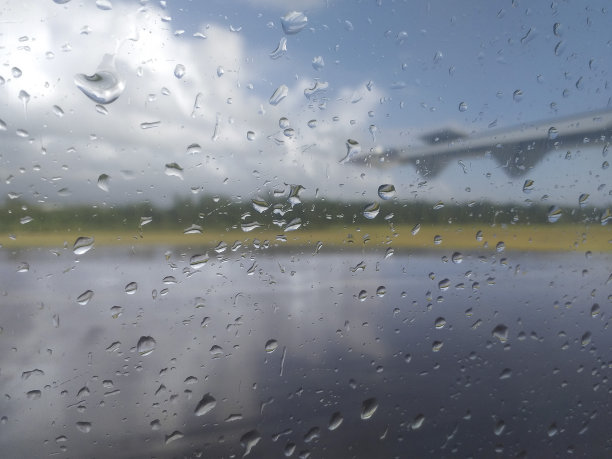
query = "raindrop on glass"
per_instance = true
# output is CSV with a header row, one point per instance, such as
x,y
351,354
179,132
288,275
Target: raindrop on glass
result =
x,y
146,345
279,94
371,210
293,22
368,408
205,405
103,182
386,191
84,297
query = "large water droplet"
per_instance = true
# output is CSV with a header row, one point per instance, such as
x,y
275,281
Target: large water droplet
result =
x,y
83,245
104,86
84,427
293,225
457,257
554,214
103,182
278,95
249,440
528,186
368,407
104,5
179,71
176,435
146,345
205,405
500,332
280,50
553,133
386,191
293,22
271,345
371,210
463,107
352,149
84,297
174,170
131,288
319,88
418,421
335,421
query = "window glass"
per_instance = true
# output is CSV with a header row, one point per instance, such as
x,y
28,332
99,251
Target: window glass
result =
x,y
319,228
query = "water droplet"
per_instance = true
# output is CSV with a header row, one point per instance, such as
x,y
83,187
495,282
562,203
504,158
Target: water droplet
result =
x,y
352,149
84,427
33,395
23,267
179,71
312,434
553,133
247,227
500,332
439,205
418,421
24,97
586,339
281,92
319,88
271,345
363,295
444,284
415,229
25,220
250,135
312,124
381,291
386,191
83,245
500,246
463,107
293,22
528,186
368,408
205,405
216,351
582,199
280,50
221,247
104,86
57,110
16,72
517,95
104,5
595,310
103,181
293,225
440,322
554,214
437,240
249,440
505,374
116,311
174,170
193,229
131,288
552,430
318,63
176,435
457,257
84,297
260,205
371,210
335,421
146,345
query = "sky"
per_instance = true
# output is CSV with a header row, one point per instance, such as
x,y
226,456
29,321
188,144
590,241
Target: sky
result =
x,y
198,78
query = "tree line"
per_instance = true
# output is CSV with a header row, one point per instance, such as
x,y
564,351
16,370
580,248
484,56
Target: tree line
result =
x,y
225,213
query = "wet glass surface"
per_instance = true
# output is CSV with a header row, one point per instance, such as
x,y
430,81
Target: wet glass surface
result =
x,y
539,386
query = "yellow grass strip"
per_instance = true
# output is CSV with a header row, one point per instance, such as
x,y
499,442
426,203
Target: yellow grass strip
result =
x,y
550,237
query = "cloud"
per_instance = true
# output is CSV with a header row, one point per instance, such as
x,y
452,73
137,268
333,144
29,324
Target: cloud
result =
x,y
220,98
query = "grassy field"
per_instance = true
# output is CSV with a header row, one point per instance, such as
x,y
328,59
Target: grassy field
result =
x,y
551,237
